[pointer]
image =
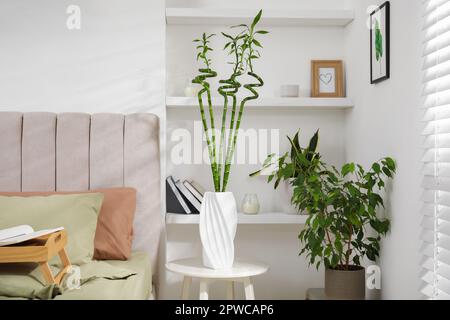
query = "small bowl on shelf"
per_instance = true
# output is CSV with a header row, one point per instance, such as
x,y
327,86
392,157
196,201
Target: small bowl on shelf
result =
x,y
290,91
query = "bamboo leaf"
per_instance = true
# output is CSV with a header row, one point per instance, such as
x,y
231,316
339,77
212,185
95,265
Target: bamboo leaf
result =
x,y
256,19
227,36
255,174
256,42
240,25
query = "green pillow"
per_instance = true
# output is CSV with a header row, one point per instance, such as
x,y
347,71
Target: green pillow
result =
x,y
77,213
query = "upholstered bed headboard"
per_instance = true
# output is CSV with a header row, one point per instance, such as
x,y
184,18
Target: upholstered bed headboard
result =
x,y
74,151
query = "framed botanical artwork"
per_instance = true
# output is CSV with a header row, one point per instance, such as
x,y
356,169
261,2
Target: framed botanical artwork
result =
x,y
379,43
327,78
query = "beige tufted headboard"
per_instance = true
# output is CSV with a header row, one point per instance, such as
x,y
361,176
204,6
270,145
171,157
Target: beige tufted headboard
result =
x,y
75,151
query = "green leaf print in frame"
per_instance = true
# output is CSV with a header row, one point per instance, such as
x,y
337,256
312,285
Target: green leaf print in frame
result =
x,y
379,43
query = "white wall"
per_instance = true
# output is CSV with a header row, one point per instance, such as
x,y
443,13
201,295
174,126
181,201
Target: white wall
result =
x,y
115,63
286,56
385,122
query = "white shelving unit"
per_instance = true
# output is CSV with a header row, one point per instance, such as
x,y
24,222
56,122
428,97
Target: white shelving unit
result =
x,y
269,103
211,16
316,34
261,218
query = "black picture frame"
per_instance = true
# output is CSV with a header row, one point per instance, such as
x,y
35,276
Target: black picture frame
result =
x,y
387,7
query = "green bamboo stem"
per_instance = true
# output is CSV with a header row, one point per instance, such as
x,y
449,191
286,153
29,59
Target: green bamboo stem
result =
x,y
230,137
205,129
241,46
250,87
200,79
222,134
230,88
216,177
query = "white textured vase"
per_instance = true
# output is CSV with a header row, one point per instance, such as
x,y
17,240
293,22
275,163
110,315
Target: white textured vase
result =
x,y
218,222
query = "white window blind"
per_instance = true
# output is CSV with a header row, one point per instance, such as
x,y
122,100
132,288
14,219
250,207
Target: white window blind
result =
x,y
436,143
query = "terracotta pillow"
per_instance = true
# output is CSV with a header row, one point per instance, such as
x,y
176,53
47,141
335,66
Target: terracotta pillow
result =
x,y
114,233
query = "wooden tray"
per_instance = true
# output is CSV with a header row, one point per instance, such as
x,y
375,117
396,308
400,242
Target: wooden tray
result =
x,y
40,250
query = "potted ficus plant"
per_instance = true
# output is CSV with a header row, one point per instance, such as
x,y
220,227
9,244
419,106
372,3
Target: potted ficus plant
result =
x,y
343,226
218,214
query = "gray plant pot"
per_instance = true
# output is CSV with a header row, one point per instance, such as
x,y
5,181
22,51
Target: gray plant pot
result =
x,y
345,285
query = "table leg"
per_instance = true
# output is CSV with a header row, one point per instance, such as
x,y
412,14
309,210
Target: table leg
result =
x,y
64,257
248,287
48,276
204,289
230,290
186,288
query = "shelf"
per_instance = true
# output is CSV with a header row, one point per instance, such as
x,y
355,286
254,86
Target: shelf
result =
x,y
261,218
211,16
269,103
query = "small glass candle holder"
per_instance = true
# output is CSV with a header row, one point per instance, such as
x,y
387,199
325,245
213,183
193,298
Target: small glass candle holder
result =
x,y
250,204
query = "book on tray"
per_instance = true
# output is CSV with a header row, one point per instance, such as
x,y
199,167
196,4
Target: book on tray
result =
x,y
22,233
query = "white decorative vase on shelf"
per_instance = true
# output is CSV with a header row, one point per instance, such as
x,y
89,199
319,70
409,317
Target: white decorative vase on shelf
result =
x,y
218,222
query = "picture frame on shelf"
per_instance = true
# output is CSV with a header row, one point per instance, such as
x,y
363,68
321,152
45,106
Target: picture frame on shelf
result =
x,y
380,43
327,78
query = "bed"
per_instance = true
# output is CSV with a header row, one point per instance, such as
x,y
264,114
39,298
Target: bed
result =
x,y
74,152
136,287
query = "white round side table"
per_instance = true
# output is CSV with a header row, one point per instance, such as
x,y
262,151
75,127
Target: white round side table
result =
x,y
242,271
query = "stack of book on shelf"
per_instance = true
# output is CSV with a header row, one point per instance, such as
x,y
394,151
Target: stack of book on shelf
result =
x,y
183,197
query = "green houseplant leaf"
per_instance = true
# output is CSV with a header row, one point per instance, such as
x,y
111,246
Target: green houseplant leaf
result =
x,y
341,205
